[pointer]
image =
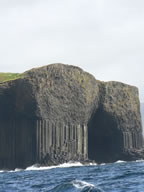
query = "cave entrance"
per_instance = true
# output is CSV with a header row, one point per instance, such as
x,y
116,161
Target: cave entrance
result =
x,y
104,138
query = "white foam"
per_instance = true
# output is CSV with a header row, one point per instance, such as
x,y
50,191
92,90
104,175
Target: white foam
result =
x,y
64,165
140,160
91,164
120,161
18,169
81,184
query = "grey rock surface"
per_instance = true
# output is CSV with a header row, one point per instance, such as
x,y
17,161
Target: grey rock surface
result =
x,y
58,113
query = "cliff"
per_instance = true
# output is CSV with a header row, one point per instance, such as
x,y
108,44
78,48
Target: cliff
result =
x,y
58,113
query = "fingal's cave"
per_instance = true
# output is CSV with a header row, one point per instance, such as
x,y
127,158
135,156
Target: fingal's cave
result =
x,y
105,139
58,113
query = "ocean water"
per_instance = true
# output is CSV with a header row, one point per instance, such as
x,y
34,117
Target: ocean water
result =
x,y
75,177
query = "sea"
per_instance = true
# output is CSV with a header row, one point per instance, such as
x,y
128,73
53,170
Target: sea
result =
x,y
75,177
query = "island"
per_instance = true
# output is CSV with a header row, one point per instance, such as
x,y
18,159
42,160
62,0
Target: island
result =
x,y
59,113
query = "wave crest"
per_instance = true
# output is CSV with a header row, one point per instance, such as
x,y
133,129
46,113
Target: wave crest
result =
x,y
120,161
64,165
83,186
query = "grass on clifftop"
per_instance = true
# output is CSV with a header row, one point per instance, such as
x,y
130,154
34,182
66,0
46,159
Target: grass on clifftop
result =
x,y
9,76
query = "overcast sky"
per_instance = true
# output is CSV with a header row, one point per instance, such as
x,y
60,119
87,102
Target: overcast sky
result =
x,y
104,37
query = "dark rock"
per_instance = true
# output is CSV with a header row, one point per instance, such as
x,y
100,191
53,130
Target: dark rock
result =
x,y
59,113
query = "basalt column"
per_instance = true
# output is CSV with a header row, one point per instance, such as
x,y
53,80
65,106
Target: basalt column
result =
x,y
57,142
17,144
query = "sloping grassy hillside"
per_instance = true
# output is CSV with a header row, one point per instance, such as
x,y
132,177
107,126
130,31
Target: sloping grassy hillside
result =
x,y
9,76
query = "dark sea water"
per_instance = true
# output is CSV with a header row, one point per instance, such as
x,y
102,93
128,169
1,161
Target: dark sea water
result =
x,y
75,177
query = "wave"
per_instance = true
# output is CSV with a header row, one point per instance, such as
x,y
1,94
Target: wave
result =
x,y
70,164
64,165
84,186
120,161
81,186
140,160
16,170
36,167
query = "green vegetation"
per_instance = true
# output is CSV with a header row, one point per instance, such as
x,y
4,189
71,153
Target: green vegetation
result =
x,y
9,76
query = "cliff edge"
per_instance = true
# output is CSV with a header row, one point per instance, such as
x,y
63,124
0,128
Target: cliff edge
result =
x,y
58,113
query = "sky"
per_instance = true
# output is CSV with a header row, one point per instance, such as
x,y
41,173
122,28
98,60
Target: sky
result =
x,y
104,37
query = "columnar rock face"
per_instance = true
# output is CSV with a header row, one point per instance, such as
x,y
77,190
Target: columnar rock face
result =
x,y
116,125
59,113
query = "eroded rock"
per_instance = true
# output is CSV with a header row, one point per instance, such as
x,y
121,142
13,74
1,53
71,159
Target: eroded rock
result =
x,y
58,113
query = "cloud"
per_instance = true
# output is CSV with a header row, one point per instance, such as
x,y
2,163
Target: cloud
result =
x,y
103,37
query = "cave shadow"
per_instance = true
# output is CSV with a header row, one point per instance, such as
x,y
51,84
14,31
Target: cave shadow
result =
x,y
105,140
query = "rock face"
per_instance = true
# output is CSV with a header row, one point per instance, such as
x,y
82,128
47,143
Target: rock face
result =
x,y
59,113
142,114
